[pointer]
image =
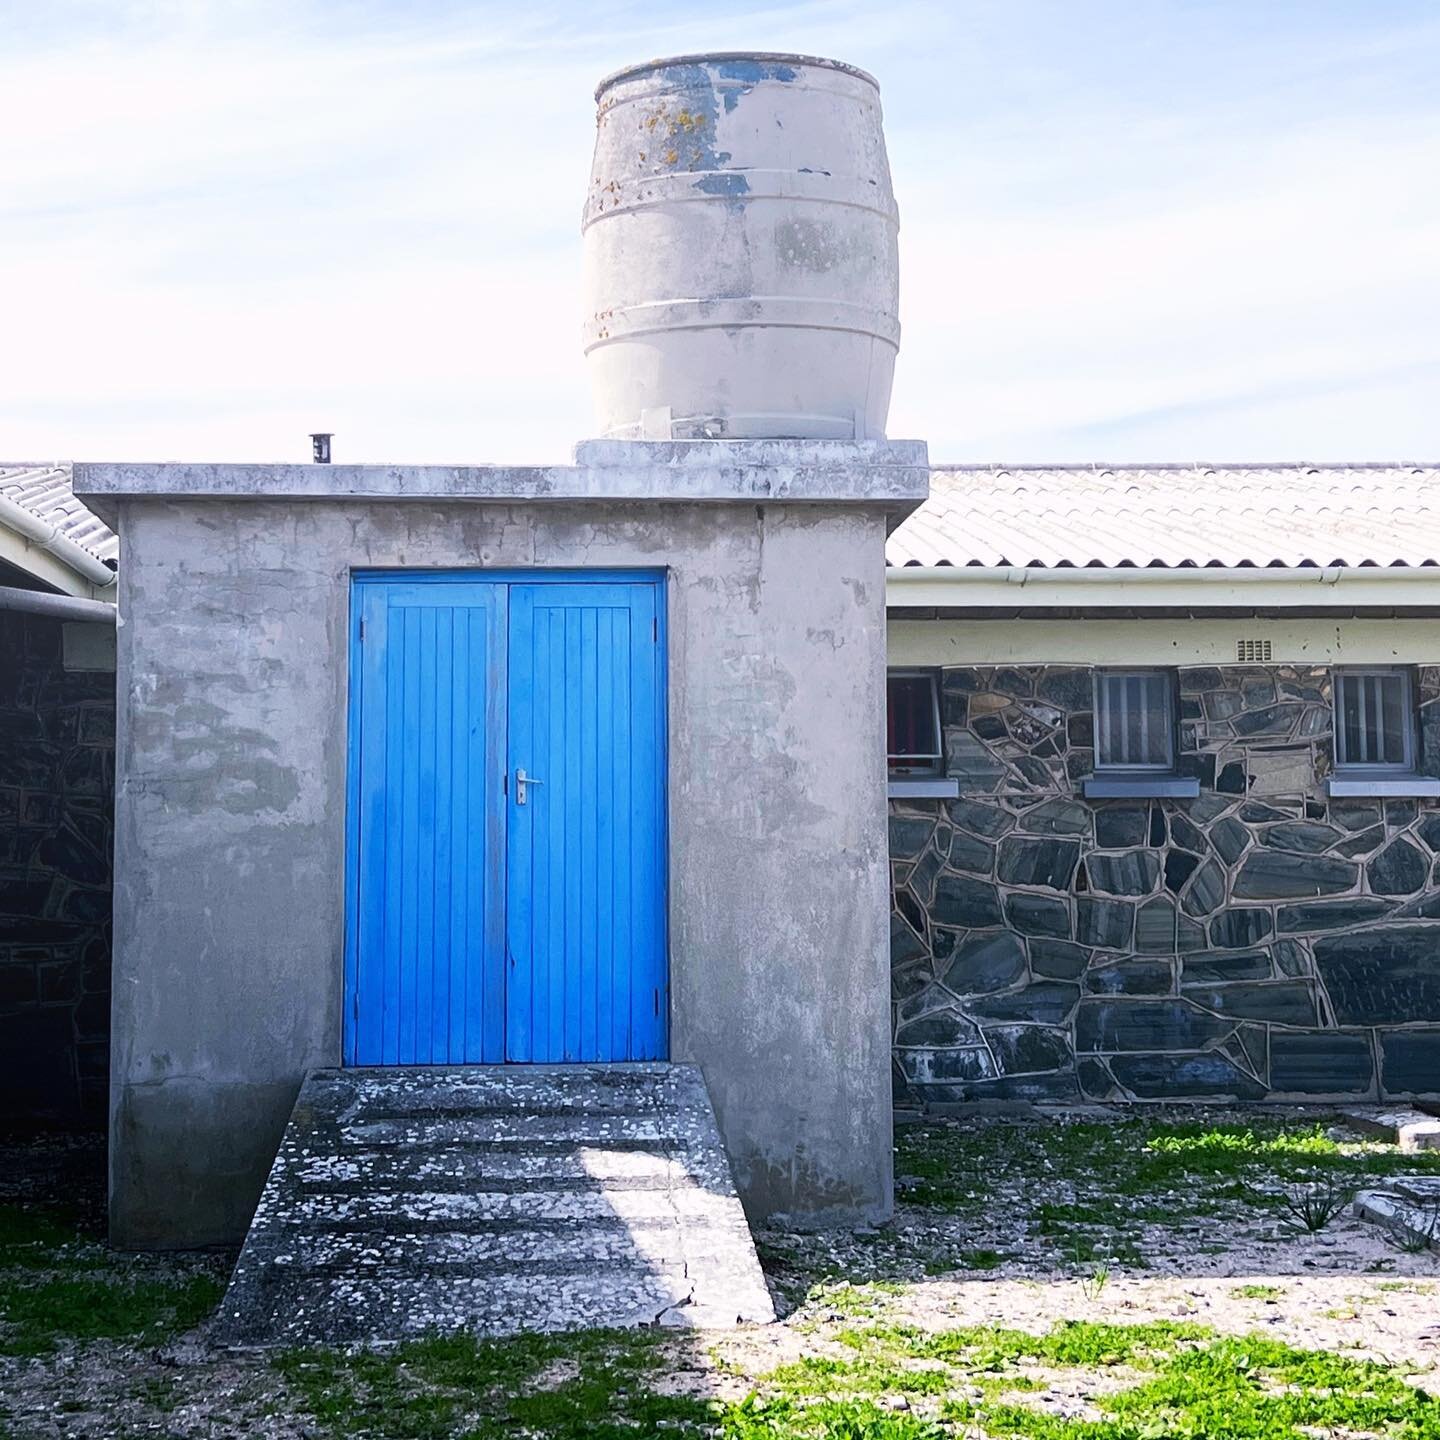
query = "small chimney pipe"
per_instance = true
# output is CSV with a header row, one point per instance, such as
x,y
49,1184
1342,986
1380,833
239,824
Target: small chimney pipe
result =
x,y
320,446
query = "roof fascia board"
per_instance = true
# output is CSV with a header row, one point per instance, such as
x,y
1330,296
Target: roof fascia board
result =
x,y
46,567
1025,587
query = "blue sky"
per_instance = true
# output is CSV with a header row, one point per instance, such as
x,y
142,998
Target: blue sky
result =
x,y
1130,229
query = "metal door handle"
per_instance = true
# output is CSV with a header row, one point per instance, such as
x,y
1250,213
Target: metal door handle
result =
x,y
521,781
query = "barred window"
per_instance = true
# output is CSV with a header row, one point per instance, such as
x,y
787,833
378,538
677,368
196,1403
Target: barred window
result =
x,y
912,722
1374,720
1134,720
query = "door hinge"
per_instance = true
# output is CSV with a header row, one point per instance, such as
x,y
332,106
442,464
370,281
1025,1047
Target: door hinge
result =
x,y
657,1004
362,629
655,629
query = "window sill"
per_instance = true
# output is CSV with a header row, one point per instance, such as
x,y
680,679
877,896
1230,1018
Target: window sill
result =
x,y
929,787
1111,787
1396,787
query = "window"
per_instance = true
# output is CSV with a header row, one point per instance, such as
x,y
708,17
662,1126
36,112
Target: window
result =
x,y
912,723
1135,720
1374,721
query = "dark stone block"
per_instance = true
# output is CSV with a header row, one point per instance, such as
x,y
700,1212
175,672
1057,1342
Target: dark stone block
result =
x,y
1179,867
1155,927
1231,780
1185,833
1238,928
1079,762
38,1079
1029,1049
1095,1079
1223,704
1160,1077
1123,1024
922,877
972,854
907,982
966,903
1057,817
1118,827
1197,679
964,681
1282,1002
24,898
1330,914
1011,681
1035,772
1423,907
1037,915
1387,976
979,818
91,905
68,853
1272,721
1046,1002
1410,1062
983,963
1205,891
954,708
1400,813
1134,873
1058,959
1429,830
1207,966
905,945
1157,825
1252,812
1362,843
1080,730
1278,875
968,761
1229,837
1305,836
1259,691
1328,1063
1070,689
967,1063
1054,1089
1399,869
910,908
1047,863
1104,924
909,835
942,1029
1292,957
1130,977
987,727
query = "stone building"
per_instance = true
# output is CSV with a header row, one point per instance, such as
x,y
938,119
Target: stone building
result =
x,y
1165,785
57,728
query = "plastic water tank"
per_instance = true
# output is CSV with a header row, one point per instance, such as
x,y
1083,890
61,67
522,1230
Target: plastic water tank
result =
x,y
741,271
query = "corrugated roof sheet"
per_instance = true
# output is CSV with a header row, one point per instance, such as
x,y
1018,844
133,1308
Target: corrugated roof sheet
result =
x,y
45,491
1175,515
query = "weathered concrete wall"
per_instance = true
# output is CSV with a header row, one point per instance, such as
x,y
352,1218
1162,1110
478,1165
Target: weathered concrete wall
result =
x,y
1260,941
56,773
230,826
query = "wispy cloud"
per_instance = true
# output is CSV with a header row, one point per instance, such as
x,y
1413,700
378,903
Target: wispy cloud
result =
x,y
1154,227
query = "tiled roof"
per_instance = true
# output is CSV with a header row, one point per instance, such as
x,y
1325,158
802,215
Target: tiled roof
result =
x,y
45,491
1175,515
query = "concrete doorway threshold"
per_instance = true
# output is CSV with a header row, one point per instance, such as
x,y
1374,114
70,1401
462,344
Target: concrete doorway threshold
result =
x,y
494,1200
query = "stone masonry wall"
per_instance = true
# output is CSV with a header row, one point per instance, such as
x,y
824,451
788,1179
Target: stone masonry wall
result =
x,y
1260,941
57,753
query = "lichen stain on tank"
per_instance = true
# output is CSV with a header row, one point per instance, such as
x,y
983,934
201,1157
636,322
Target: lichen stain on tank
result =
x,y
811,245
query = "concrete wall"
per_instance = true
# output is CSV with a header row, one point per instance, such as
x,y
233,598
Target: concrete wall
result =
x,y
1259,941
57,721
229,921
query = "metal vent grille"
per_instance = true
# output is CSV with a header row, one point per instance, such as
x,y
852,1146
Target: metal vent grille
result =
x,y
1251,652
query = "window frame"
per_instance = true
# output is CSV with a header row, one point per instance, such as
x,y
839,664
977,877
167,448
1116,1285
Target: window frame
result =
x,y
1171,725
1378,770
934,768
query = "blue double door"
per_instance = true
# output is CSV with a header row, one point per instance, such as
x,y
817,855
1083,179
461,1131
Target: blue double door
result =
x,y
506,867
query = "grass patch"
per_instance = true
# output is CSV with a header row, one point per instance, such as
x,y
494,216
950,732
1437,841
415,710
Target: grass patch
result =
x,y
57,1282
1141,1382
1089,1187
1258,1292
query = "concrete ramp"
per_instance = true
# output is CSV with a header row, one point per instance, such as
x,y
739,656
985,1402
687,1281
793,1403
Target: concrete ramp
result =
x,y
494,1200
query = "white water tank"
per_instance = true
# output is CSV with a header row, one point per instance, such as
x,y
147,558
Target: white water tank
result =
x,y
741,275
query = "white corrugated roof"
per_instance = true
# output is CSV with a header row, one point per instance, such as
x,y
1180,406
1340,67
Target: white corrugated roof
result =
x,y
1175,515
45,491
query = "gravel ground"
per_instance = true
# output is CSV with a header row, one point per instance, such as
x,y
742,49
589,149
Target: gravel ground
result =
x,y
1233,1266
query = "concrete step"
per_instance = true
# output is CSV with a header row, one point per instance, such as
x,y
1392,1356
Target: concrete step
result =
x,y
494,1200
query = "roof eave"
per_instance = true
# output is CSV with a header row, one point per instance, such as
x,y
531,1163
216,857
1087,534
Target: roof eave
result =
x,y
1023,587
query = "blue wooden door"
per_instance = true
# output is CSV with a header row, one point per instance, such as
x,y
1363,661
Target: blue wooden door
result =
x,y
586,921
489,920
